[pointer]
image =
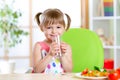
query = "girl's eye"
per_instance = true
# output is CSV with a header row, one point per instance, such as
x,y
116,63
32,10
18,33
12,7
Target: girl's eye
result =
x,y
58,27
48,27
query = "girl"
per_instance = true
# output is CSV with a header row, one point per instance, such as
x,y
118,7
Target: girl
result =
x,y
45,59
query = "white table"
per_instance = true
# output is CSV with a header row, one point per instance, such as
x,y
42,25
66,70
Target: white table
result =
x,y
39,76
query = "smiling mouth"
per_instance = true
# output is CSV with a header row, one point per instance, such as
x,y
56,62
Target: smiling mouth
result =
x,y
54,35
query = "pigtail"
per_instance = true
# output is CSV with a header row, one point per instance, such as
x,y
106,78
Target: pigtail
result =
x,y
37,17
68,21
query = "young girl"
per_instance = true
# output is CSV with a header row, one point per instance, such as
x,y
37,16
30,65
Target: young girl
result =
x,y
46,54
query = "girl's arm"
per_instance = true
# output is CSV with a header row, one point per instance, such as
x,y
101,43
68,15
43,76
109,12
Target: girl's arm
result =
x,y
66,58
40,64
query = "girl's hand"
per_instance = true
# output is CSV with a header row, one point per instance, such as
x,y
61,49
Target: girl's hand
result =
x,y
65,48
54,49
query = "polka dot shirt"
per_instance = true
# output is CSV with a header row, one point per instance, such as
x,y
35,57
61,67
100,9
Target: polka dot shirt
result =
x,y
54,66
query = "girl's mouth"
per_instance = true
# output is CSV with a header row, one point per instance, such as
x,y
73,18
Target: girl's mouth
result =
x,y
53,37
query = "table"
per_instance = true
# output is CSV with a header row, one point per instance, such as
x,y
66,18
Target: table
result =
x,y
39,76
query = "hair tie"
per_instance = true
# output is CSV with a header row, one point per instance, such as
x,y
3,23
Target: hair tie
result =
x,y
65,20
41,17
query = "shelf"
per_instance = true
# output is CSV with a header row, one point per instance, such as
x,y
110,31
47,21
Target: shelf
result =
x,y
103,18
108,47
107,27
118,47
118,17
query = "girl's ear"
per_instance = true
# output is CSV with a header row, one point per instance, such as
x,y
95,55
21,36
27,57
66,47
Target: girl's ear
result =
x,y
42,28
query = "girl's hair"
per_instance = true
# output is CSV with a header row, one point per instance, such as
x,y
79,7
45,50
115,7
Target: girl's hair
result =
x,y
53,16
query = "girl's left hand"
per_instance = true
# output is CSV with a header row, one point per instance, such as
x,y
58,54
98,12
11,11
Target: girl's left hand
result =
x,y
65,48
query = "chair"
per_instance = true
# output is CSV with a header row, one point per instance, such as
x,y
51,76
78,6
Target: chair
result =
x,y
87,49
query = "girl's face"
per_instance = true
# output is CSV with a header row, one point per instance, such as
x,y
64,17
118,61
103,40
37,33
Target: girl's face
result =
x,y
52,30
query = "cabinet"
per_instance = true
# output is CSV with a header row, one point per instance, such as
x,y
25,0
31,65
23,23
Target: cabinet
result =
x,y
107,27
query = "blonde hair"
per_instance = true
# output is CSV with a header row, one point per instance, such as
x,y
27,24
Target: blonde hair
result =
x,y
53,16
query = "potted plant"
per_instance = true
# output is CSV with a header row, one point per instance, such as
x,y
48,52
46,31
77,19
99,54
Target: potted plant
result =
x,y
10,31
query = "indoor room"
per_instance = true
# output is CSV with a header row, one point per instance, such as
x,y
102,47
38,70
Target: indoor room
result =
x,y
90,36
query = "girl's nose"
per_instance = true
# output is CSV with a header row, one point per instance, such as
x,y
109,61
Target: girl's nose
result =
x,y
54,31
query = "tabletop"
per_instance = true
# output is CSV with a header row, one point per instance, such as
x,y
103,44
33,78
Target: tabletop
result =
x,y
42,76
39,76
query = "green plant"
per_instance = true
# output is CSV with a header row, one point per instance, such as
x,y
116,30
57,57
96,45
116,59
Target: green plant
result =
x,y
10,32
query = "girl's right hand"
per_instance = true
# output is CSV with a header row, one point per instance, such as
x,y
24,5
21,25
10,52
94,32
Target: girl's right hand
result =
x,y
54,49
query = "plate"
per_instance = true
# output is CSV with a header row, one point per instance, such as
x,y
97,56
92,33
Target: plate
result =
x,y
87,77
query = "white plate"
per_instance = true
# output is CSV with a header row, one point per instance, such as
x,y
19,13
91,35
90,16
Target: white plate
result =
x,y
87,77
